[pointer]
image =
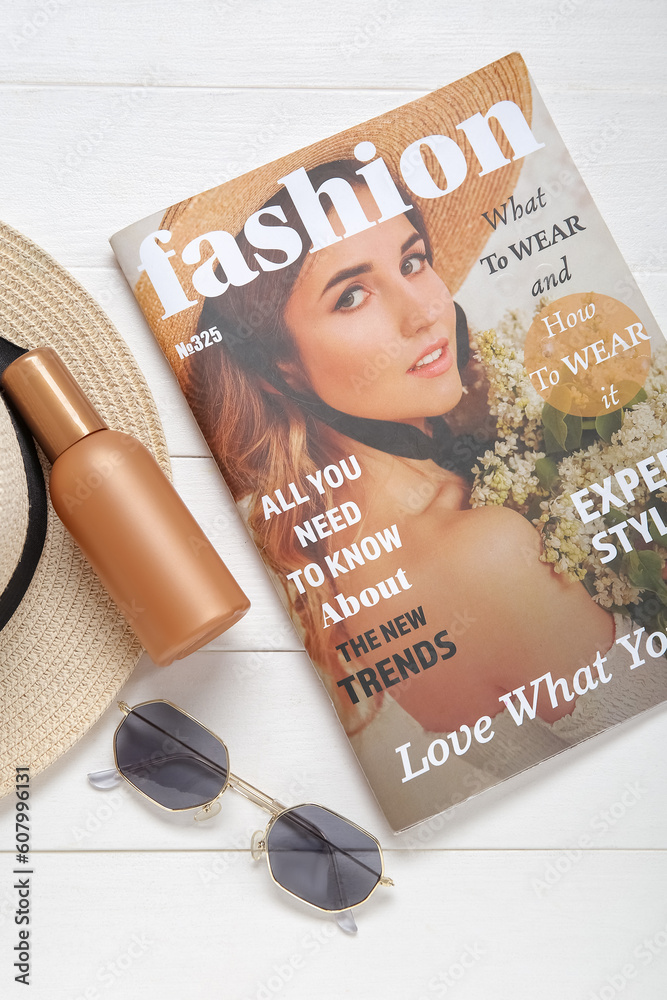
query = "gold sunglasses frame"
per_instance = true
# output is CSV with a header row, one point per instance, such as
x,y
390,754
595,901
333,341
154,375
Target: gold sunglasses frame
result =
x,y
276,808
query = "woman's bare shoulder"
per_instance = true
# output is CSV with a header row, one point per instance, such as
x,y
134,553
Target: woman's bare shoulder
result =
x,y
494,516
503,532
486,534
490,557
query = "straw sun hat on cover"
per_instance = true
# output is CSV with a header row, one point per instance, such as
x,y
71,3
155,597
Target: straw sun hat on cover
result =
x,y
456,226
65,650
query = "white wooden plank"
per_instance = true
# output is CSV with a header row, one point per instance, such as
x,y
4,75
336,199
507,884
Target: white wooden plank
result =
x,y
283,736
471,925
346,44
80,164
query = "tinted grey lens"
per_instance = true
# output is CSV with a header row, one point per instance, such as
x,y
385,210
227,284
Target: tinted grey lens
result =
x,y
170,757
322,858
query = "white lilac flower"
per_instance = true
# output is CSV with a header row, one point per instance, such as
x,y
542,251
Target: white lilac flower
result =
x,y
506,474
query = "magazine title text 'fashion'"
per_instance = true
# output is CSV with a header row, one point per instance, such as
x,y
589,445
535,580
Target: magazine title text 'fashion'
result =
x,y
281,238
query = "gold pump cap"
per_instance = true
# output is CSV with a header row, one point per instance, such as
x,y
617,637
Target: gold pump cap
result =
x,y
52,403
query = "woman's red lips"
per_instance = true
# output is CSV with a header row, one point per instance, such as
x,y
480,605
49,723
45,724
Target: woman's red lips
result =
x,y
436,359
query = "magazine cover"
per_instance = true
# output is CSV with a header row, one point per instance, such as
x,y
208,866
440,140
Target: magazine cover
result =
x,y
438,398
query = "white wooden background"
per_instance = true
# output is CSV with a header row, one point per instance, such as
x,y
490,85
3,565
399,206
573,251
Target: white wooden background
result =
x,y
110,111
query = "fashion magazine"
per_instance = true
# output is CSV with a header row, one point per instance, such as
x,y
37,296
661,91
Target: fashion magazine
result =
x,y
439,401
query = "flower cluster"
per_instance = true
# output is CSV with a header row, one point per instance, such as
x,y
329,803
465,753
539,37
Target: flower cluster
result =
x,y
506,475
512,398
520,474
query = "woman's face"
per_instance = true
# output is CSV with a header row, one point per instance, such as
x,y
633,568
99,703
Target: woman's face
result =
x,y
375,326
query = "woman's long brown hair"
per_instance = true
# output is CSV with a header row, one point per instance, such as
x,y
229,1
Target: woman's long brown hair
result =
x,y
262,440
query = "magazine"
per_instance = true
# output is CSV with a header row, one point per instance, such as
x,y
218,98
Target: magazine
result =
x,y
439,401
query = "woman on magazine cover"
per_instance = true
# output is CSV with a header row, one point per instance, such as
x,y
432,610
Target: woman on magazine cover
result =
x,y
357,350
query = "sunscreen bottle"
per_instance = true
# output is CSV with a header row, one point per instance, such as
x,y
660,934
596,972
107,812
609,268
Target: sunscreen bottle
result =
x,y
140,538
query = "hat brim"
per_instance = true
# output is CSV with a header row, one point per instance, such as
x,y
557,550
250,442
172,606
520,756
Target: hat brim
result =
x,y
66,651
456,226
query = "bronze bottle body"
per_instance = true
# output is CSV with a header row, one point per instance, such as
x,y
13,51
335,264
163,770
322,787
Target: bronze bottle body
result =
x,y
140,538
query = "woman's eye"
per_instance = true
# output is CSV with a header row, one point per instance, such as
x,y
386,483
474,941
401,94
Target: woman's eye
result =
x,y
413,263
351,298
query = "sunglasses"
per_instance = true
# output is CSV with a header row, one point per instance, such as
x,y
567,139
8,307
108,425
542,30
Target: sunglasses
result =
x,y
312,852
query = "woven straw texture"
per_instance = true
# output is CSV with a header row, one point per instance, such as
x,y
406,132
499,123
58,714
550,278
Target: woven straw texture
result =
x,y
67,651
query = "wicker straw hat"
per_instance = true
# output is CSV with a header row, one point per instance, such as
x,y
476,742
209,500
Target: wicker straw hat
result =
x,y
457,229
65,650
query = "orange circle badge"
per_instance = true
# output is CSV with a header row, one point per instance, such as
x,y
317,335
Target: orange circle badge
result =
x,y
587,354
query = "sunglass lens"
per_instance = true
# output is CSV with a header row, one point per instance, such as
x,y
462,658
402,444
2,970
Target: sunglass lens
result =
x,y
322,858
170,757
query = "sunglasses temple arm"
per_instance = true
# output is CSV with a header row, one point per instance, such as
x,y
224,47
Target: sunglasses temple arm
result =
x,y
255,795
111,776
346,922
106,779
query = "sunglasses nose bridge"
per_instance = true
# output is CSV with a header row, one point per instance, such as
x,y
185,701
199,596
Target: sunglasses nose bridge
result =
x,y
260,798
